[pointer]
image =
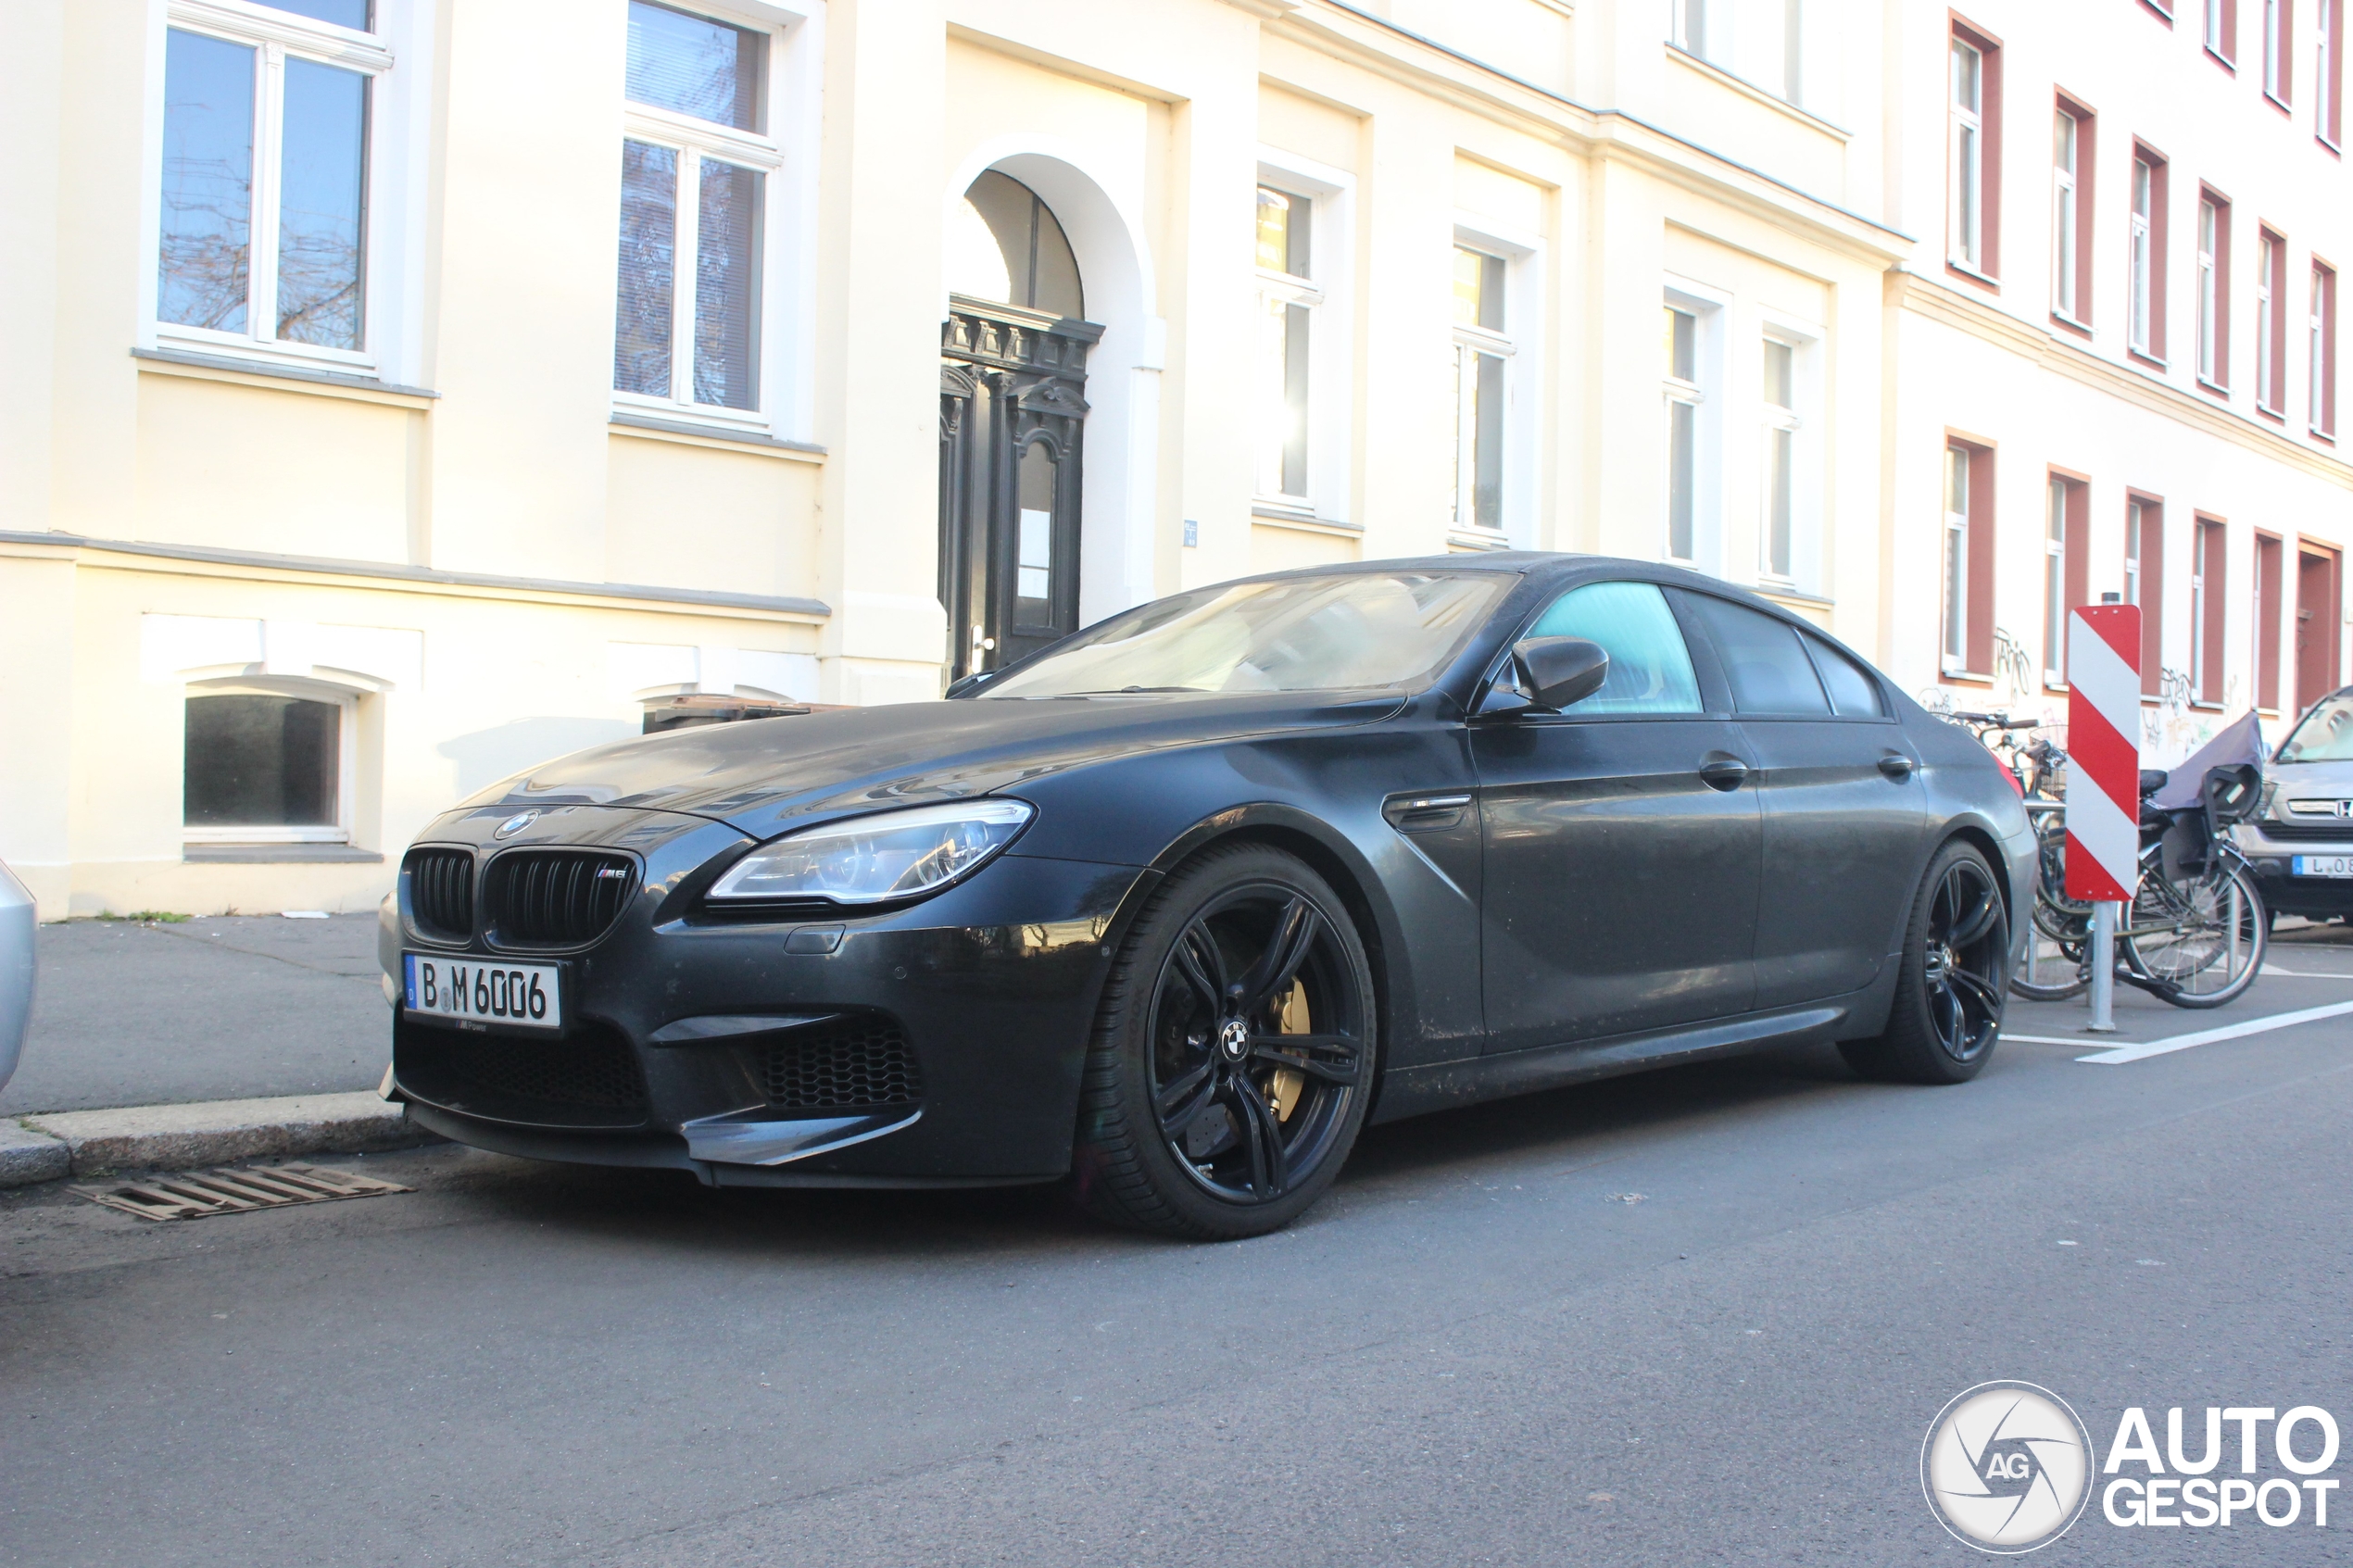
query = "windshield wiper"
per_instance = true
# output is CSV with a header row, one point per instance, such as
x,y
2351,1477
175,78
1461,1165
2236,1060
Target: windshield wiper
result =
x,y
1125,691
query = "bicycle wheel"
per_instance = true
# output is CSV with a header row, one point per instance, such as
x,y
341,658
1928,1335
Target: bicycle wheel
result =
x,y
2201,939
2050,970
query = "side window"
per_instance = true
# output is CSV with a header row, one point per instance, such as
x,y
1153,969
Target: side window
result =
x,y
1650,669
1853,692
1763,659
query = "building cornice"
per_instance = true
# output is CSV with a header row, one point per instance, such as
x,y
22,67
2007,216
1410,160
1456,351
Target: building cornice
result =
x,y
1372,43
2049,351
259,566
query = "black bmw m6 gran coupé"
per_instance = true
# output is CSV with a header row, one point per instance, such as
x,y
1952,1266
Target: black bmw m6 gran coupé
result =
x,y
1172,908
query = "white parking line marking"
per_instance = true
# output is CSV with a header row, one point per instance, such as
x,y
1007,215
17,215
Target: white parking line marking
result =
x,y
2146,1049
2303,974
2043,1040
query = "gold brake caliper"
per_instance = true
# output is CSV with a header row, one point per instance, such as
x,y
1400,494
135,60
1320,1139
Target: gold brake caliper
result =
x,y
1288,1085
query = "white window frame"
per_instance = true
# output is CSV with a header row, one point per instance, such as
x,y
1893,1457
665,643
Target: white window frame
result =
x,y
392,223
2055,617
2317,415
2135,538
1803,419
1952,649
2277,45
2215,42
1327,294
2266,256
2063,214
1965,203
785,156
2141,307
1710,306
2198,651
2209,301
346,762
2324,85
1518,345
1687,26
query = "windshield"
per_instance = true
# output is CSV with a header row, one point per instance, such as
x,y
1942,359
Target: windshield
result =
x,y
1292,635
2325,736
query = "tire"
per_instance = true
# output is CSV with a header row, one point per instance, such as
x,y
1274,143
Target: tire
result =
x,y
1213,1124
2027,990
1947,1015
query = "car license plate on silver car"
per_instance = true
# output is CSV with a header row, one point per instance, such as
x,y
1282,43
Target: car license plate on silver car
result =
x,y
465,991
2324,865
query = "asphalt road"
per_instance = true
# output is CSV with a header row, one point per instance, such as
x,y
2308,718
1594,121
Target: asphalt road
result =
x,y
222,1006
1695,1316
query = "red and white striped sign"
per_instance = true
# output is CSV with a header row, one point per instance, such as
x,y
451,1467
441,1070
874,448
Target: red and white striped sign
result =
x,y
2103,751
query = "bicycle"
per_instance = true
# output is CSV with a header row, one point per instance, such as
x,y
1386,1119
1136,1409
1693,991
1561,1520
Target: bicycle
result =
x,y
2195,904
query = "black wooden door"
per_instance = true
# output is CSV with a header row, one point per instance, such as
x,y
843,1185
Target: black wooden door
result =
x,y
1013,412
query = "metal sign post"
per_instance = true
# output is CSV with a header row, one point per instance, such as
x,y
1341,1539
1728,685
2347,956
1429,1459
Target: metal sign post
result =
x,y
2104,780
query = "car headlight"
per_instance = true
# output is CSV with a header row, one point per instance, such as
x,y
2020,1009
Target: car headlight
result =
x,y
874,858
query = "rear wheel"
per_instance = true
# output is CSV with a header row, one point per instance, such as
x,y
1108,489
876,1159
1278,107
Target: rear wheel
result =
x,y
1233,1052
1947,1012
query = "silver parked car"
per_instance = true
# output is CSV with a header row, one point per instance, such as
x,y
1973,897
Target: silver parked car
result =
x,y
2301,839
16,969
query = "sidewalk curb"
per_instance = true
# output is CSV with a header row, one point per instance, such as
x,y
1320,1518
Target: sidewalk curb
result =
x,y
81,1143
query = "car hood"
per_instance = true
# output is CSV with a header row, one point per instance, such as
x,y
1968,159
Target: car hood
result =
x,y
760,775
2311,777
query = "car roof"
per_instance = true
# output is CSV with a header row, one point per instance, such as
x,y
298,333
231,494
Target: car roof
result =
x,y
1550,566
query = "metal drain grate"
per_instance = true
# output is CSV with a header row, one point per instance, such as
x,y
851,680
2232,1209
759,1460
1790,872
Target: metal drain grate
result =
x,y
193,1193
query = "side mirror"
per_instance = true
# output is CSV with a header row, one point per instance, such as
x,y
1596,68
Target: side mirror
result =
x,y
1558,671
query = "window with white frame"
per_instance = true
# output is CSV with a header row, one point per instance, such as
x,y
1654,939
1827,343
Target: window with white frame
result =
x,y
1967,218
1288,298
2134,515
2328,72
2218,32
2277,17
1779,436
2144,258
262,229
2209,292
697,157
2064,135
2054,582
263,766
1957,557
1683,396
1483,351
1687,26
2268,254
2322,349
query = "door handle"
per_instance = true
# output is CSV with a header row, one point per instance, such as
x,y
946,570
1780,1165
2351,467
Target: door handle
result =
x,y
1897,766
1720,769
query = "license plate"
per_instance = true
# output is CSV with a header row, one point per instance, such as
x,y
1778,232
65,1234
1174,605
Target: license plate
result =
x,y
466,991
2324,865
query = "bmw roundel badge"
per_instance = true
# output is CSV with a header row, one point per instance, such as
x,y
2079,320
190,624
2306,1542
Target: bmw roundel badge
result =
x,y
515,824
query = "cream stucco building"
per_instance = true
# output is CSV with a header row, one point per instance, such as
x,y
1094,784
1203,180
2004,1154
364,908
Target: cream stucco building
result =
x,y
399,393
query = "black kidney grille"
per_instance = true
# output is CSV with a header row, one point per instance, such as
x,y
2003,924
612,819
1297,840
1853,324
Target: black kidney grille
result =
x,y
556,897
848,1065
441,893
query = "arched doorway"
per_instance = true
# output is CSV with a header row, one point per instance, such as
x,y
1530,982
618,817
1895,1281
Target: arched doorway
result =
x,y
1013,411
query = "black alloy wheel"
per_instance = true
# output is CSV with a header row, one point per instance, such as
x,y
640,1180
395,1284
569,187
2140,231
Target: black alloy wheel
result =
x,y
1231,1065
1948,1011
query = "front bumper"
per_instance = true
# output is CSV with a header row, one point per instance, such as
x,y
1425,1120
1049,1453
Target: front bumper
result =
x,y
2284,893
937,1045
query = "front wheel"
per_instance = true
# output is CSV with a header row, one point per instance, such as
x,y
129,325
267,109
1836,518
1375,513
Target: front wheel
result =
x,y
2199,941
1233,1052
1947,1012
